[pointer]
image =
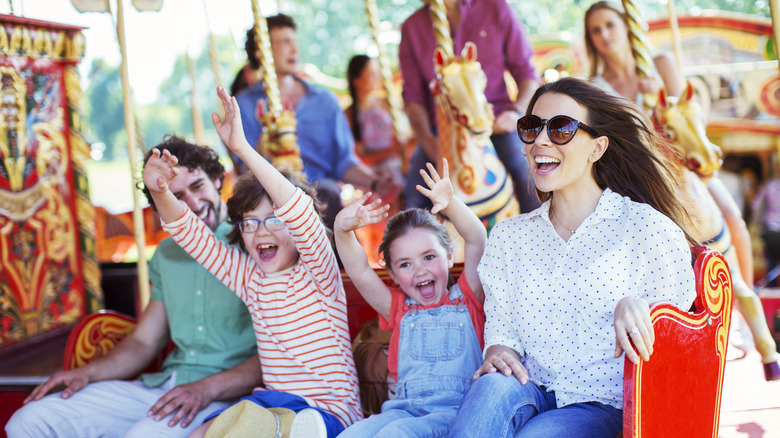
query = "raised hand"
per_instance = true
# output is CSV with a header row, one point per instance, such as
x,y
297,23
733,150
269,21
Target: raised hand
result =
x,y
439,190
160,170
230,130
359,214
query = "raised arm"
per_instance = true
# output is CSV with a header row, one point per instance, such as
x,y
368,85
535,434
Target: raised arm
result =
x,y
466,223
230,130
350,218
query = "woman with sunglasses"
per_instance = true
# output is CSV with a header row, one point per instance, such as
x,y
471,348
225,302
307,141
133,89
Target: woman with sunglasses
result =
x,y
568,285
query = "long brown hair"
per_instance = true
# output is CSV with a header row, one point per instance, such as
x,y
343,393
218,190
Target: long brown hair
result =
x,y
594,57
638,162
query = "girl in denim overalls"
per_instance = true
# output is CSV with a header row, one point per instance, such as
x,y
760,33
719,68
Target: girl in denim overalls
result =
x,y
436,345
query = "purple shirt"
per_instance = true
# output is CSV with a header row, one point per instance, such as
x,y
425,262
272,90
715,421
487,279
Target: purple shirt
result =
x,y
502,44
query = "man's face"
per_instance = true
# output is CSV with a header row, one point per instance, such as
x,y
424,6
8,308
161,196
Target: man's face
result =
x,y
200,193
285,50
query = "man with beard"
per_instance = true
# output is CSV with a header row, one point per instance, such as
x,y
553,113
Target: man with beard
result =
x,y
214,360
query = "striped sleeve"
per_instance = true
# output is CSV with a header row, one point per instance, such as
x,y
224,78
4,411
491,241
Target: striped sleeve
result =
x,y
312,243
230,265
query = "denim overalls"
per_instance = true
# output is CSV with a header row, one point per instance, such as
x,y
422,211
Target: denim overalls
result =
x,y
438,353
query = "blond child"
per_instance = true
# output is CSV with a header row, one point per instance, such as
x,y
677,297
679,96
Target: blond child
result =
x,y
286,274
437,327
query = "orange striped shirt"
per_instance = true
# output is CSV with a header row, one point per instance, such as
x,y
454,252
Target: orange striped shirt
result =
x,y
299,315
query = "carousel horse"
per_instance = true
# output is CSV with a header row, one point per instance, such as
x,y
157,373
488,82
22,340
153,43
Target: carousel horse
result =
x,y
683,123
465,122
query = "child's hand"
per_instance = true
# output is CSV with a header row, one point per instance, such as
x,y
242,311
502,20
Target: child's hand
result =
x,y
439,190
160,170
357,215
230,130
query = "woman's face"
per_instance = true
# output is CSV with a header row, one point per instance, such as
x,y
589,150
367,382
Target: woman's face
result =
x,y
607,30
369,79
562,167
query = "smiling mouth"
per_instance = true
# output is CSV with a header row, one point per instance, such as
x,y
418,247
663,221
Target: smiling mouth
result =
x,y
427,289
546,164
267,251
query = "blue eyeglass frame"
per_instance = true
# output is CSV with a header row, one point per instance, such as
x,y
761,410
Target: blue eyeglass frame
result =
x,y
255,223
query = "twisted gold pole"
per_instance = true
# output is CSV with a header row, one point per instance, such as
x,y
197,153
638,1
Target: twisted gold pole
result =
x,y
441,27
400,123
280,138
266,60
640,48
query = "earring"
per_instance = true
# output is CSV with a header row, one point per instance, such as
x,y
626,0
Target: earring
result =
x,y
592,158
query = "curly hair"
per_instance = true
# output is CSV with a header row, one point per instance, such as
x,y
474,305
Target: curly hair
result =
x,y
247,195
190,156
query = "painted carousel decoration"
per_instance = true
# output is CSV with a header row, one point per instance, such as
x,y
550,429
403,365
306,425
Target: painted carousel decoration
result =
x,y
49,276
684,123
279,139
465,122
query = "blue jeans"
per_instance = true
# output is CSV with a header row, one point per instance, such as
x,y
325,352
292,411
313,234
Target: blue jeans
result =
x,y
509,150
499,406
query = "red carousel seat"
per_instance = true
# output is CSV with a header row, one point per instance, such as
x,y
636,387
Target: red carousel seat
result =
x,y
98,333
678,391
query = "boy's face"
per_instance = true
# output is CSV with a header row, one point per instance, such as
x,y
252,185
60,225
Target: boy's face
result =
x,y
272,251
200,193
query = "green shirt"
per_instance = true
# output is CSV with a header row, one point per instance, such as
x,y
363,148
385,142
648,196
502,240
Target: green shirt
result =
x,y
209,324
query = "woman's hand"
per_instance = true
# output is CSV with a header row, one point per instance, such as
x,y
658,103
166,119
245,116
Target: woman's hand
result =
x,y
632,323
439,190
160,170
358,214
499,358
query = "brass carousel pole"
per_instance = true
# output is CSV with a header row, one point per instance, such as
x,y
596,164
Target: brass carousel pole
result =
x,y
138,220
197,120
279,139
774,11
213,59
675,36
400,123
441,27
640,48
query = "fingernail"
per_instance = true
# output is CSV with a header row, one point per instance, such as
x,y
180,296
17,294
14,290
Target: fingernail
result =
x,y
157,418
149,414
171,424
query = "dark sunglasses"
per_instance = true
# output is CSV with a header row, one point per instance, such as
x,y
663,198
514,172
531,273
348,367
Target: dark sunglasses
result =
x,y
560,129
272,223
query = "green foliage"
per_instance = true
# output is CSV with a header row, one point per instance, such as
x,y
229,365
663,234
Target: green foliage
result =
x,y
329,33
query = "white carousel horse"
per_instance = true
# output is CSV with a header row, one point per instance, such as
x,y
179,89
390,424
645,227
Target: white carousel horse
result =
x,y
465,122
684,124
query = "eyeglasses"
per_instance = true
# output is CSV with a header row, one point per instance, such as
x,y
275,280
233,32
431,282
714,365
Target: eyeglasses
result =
x,y
560,129
272,223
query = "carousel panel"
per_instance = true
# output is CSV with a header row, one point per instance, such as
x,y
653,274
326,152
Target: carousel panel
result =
x,y
48,273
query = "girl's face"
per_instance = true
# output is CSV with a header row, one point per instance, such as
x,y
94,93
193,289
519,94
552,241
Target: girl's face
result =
x,y
564,167
272,251
420,265
607,30
369,79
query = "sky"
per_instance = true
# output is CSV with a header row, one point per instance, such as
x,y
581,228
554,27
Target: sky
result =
x,y
154,39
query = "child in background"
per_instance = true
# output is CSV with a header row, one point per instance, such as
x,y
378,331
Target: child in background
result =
x,y
436,344
286,274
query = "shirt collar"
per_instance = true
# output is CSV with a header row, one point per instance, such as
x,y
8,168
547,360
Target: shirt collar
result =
x,y
609,207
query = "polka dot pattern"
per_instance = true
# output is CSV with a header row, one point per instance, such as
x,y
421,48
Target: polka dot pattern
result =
x,y
553,301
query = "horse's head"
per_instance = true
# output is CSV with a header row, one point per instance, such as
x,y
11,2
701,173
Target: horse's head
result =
x,y
683,123
462,83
